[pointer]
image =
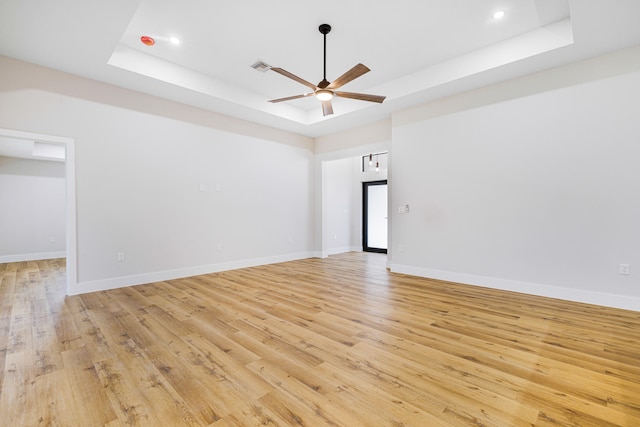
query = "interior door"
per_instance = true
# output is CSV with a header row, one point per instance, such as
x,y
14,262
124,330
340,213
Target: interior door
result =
x,y
374,216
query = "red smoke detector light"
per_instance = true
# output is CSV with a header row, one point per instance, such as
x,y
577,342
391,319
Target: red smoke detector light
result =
x,y
147,40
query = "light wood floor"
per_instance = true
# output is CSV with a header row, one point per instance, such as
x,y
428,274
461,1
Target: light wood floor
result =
x,y
338,342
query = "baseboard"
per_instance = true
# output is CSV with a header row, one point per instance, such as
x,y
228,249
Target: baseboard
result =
x,y
342,250
159,276
568,294
32,257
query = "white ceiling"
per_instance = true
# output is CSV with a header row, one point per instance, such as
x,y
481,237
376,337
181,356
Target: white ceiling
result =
x,y
418,50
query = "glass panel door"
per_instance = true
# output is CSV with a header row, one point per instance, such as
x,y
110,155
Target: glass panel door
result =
x,y
374,223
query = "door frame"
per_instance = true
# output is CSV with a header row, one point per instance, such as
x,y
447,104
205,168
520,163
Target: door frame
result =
x,y
365,220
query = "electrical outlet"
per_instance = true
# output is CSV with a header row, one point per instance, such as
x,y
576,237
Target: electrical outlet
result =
x,y
120,257
624,269
52,239
219,246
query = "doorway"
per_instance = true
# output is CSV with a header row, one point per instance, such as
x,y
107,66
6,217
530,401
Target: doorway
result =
x,y
374,216
70,193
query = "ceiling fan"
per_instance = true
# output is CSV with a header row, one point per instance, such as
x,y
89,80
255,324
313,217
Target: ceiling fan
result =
x,y
325,90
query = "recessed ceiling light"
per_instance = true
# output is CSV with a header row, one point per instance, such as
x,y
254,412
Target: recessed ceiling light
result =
x,y
498,14
174,40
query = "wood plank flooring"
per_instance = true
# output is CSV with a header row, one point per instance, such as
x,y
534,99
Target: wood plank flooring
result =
x,y
318,342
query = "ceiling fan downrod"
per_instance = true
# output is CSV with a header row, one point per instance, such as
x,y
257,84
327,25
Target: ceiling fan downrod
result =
x,y
324,29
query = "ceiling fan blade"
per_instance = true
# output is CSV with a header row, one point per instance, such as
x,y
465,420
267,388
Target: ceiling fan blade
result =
x,y
361,96
353,73
289,98
294,77
327,108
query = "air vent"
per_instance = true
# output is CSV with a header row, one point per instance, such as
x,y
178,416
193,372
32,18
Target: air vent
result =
x,y
261,66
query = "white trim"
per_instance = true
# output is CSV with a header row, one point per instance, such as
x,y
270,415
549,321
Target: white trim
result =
x,y
71,242
568,294
344,249
70,182
18,134
32,257
159,276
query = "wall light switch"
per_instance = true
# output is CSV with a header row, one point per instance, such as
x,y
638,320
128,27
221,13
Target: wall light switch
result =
x,y
120,257
52,239
201,187
624,269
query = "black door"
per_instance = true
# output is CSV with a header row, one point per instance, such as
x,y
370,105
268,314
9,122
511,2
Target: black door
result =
x,y
374,216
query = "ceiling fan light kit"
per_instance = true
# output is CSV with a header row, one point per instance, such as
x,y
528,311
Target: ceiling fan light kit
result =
x,y
325,90
324,95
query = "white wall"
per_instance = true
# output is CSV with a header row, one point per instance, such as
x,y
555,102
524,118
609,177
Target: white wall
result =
x,y
530,185
342,206
140,165
33,209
